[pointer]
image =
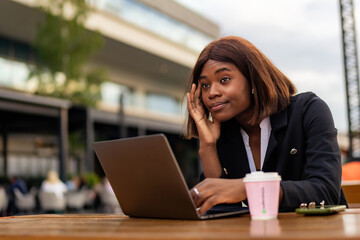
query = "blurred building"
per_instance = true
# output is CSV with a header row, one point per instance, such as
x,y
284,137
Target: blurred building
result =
x,y
150,48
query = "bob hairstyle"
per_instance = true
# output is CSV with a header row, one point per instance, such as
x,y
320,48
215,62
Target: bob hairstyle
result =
x,y
272,89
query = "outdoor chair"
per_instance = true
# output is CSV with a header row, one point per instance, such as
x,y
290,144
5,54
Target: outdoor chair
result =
x,y
25,202
3,201
109,201
77,199
50,202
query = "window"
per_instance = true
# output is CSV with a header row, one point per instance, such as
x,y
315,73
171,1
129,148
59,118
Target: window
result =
x,y
111,93
162,104
14,74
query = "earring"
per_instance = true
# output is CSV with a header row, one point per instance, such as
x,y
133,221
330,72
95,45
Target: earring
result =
x,y
210,118
252,91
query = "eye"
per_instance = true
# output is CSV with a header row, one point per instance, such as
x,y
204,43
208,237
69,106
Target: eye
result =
x,y
204,85
224,79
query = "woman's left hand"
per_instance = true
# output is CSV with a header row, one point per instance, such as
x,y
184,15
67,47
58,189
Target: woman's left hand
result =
x,y
213,191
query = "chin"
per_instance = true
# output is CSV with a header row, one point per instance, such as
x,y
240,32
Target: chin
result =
x,y
221,118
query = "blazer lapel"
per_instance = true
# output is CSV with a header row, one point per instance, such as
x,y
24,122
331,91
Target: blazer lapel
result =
x,y
243,157
278,121
232,151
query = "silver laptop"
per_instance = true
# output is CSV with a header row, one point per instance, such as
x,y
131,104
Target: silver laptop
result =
x,y
148,182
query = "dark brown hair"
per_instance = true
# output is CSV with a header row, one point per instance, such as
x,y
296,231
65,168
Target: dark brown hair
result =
x,y
272,89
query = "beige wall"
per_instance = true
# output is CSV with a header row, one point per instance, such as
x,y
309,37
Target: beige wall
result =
x,y
177,11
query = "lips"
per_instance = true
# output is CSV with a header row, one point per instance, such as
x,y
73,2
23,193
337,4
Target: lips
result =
x,y
214,107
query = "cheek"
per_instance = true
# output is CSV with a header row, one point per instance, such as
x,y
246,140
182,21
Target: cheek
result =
x,y
205,102
243,100
247,100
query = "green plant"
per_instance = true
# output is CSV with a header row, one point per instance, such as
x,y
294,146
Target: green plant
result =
x,y
77,143
91,178
64,47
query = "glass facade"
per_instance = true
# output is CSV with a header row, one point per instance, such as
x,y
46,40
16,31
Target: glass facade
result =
x,y
14,74
162,104
155,21
15,59
111,93
158,103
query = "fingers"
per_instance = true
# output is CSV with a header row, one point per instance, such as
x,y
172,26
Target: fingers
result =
x,y
191,95
209,203
194,193
194,103
203,200
197,195
189,103
197,96
190,99
213,191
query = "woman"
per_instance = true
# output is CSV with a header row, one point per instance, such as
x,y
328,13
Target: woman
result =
x,y
52,183
245,114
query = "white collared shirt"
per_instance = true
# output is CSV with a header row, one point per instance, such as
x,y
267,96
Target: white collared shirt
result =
x,y
265,127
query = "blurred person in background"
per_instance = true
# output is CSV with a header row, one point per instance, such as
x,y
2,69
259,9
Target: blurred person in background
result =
x,y
52,183
76,183
16,182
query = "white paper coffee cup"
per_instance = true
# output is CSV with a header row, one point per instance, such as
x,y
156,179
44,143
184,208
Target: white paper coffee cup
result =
x,y
262,190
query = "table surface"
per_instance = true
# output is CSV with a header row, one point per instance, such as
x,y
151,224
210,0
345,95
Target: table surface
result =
x,y
111,226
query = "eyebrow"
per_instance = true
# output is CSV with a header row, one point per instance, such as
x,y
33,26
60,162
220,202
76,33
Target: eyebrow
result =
x,y
217,72
222,70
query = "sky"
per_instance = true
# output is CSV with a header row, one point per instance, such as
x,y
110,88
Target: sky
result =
x,y
301,37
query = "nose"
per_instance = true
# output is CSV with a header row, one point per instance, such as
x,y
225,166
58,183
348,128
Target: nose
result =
x,y
214,91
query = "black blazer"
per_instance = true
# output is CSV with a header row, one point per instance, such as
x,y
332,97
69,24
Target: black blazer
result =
x,y
302,148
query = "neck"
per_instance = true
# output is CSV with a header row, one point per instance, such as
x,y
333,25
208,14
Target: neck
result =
x,y
245,117
251,129
244,121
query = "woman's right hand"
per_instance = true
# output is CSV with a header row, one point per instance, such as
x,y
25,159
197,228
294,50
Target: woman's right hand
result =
x,y
209,131
213,191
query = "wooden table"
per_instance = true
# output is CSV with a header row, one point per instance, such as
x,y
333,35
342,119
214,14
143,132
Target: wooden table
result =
x,y
111,226
352,193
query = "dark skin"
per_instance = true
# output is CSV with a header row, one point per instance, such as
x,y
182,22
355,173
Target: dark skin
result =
x,y
254,134
225,93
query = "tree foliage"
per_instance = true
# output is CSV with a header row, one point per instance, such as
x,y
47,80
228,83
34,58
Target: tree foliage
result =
x,y
64,47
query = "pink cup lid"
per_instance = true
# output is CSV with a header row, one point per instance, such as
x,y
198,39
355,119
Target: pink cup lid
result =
x,y
260,176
